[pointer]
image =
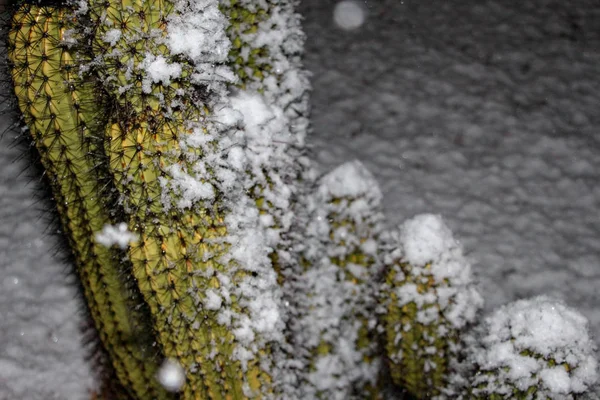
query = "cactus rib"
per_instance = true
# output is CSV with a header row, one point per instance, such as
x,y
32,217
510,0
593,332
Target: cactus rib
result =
x,y
59,110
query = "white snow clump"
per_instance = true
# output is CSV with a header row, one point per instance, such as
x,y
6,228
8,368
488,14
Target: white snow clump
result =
x,y
535,343
115,235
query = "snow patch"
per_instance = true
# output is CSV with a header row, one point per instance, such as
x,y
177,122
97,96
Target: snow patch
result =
x,y
425,238
115,235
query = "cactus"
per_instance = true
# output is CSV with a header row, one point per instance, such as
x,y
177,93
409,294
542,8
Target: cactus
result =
x,y
64,121
335,328
533,349
268,71
429,300
249,63
181,260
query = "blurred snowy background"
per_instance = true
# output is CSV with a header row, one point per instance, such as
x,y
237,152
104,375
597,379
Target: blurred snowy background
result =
x,y
487,112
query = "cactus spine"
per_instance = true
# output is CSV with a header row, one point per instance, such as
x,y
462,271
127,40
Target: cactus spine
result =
x,y
63,119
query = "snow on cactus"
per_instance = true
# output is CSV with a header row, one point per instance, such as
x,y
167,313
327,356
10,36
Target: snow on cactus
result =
x,y
536,348
334,328
428,300
205,173
267,45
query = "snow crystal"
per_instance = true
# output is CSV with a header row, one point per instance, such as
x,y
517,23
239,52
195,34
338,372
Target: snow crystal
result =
x,y
159,70
212,300
112,36
115,235
253,107
188,187
171,375
197,31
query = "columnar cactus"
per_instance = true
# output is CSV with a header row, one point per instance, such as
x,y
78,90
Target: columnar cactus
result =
x,y
336,292
533,349
429,299
265,55
162,149
62,112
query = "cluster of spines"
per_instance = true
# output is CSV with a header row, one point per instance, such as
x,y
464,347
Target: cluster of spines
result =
x,y
65,123
251,64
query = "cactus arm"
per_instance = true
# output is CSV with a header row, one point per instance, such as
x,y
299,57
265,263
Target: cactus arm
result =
x,y
429,302
63,118
409,341
181,249
338,285
536,348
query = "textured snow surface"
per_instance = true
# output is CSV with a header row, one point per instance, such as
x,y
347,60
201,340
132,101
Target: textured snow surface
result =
x,y
425,238
485,113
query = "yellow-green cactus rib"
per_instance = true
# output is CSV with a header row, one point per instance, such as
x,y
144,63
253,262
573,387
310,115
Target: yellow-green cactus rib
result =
x,y
250,63
418,356
62,114
178,260
339,312
535,348
429,300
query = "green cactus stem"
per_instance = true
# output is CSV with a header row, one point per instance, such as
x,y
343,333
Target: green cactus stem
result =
x,y
179,256
266,60
63,114
429,300
337,322
535,348
250,63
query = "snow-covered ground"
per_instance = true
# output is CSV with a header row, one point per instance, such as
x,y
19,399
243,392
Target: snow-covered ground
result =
x,y
485,112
